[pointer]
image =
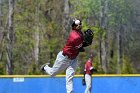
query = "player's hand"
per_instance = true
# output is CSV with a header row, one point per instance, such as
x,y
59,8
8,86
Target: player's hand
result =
x,y
81,49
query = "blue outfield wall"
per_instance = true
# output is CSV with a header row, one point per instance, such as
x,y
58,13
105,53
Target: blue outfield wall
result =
x,y
39,84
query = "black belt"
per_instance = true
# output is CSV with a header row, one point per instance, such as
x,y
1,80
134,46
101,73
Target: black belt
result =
x,y
66,55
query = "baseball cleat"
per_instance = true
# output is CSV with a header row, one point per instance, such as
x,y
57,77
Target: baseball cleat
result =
x,y
42,67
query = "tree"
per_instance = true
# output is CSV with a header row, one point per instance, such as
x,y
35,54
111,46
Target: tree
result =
x,y
32,32
120,14
66,19
103,37
0,13
10,38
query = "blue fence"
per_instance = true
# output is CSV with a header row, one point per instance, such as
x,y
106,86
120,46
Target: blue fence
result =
x,y
100,84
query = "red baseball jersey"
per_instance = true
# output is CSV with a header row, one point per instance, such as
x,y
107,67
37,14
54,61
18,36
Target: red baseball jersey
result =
x,y
88,67
74,42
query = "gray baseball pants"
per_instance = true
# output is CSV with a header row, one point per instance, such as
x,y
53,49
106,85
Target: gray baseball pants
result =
x,y
88,80
63,63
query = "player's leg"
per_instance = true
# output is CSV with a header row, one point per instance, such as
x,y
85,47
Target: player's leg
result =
x,y
70,71
88,80
60,64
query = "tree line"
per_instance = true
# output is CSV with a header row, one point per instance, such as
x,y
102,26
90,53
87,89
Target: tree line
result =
x,y
32,32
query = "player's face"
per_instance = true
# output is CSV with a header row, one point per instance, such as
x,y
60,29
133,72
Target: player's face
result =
x,y
79,27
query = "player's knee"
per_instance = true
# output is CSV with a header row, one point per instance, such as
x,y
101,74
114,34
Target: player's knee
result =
x,y
89,86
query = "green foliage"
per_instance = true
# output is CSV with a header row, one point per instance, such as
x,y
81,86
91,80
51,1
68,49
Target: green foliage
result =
x,y
85,8
119,13
112,66
127,66
30,18
97,65
2,70
28,21
33,69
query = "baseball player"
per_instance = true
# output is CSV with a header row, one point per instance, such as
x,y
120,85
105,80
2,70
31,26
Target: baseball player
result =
x,y
88,74
67,58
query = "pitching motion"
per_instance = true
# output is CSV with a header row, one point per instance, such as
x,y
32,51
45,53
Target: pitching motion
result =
x,y
67,58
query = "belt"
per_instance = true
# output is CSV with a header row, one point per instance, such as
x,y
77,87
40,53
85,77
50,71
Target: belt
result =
x,y
66,55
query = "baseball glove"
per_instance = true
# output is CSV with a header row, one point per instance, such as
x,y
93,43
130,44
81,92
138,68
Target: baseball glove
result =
x,y
83,82
93,70
88,37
